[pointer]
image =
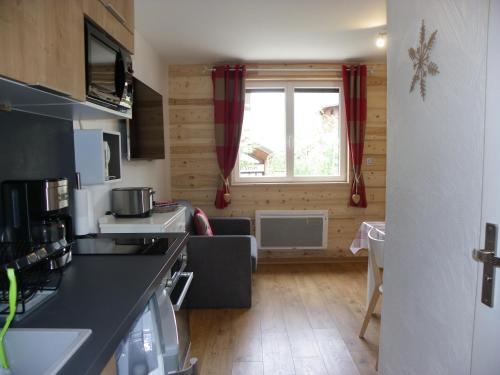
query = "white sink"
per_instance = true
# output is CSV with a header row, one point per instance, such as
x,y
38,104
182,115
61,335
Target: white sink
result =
x,y
41,351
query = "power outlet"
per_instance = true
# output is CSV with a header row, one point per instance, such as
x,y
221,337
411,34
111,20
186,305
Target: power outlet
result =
x,y
370,161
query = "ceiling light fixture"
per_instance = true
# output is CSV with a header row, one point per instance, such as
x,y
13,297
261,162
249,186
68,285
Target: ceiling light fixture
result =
x,y
381,40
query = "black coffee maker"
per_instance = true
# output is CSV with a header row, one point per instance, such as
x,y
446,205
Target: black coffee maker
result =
x,y
37,212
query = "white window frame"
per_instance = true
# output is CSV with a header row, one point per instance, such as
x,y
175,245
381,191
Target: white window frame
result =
x,y
289,87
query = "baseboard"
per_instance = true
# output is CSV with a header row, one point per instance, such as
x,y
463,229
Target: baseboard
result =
x,y
311,260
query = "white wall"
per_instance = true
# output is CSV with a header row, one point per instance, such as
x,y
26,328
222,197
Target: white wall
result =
x,y
151,69
433,189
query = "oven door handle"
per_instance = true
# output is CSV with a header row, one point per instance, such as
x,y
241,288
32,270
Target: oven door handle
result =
x,y
191,370
180,300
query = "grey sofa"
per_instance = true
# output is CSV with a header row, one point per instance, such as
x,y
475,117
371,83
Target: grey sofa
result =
x,y
222,264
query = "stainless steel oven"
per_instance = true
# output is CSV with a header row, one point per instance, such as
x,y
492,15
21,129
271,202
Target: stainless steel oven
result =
x,y
173,319
177,287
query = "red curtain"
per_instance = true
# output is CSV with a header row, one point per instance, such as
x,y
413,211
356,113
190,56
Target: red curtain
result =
x,y
354,79
229,105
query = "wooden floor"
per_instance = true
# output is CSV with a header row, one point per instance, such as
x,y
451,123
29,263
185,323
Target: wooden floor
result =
x,y
304,319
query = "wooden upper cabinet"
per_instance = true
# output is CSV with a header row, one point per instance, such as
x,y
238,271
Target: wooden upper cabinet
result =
x,y
123,10
111,21
42,43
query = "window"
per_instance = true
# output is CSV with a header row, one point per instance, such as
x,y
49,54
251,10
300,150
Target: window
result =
x,y
291,133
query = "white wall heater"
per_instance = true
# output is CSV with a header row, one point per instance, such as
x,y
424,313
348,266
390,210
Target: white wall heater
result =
x,y
291,229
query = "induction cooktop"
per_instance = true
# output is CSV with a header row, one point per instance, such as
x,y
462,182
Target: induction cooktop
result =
x,y
127,244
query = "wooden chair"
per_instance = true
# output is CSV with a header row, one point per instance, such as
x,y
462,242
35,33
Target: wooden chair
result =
x,y
376,253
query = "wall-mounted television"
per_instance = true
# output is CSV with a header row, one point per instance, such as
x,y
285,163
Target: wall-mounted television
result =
x,y
145,130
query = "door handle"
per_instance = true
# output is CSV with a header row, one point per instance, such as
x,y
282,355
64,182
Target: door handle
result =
x,y
189,278
114,12
486,256
490,263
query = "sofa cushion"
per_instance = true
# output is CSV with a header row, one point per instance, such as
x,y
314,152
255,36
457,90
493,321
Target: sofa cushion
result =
x,y
223,272
201,223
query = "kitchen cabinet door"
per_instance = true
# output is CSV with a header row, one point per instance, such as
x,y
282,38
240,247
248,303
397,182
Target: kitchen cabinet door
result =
x,y
42,43
123,10
102,17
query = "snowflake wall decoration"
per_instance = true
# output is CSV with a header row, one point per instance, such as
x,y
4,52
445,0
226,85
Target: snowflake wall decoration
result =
x,y
421,61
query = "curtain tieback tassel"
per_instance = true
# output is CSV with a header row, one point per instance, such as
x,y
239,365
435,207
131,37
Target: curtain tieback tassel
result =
x,y
356,198
227,194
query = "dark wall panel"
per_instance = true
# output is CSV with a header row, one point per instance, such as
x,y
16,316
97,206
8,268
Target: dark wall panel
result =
x,y
33,147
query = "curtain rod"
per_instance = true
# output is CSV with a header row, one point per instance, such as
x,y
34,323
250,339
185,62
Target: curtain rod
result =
x,y
207,69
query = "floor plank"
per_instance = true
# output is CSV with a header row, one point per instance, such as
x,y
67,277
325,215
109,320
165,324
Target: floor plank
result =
x,y
304,319
248,368
277,353
309,366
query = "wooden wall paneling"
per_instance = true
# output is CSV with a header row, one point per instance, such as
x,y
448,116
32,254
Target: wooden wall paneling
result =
x,y
182,114
195,171
194,88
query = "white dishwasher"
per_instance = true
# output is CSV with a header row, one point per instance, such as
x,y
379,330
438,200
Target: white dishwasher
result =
x,y
154,345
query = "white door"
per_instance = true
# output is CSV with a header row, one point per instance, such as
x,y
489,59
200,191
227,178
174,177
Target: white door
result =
x,y
435,206
485,353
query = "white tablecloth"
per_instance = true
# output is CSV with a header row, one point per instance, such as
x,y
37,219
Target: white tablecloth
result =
x,y
361,242
361,239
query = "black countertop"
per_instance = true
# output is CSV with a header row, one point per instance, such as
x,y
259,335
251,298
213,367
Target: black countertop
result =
x,y
104,293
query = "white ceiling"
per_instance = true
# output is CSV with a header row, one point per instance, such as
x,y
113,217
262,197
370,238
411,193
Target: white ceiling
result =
x,y
209,31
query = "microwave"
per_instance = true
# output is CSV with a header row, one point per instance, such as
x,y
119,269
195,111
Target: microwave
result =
x,y
108,71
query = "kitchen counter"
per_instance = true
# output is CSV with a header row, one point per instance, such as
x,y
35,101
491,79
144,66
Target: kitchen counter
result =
x,y
104,293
